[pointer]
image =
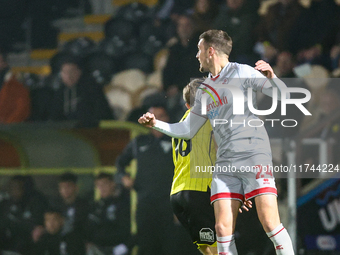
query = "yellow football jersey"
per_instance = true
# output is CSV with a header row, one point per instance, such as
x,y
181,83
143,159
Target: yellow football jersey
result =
x,y
191,160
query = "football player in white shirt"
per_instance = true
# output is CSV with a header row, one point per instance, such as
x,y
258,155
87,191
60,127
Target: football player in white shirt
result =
x,y
242,144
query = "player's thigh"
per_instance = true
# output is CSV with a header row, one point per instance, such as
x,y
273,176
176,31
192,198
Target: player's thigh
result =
x,y
201,218
227,194
267,211
226,211
259,183
256,175
226,186
178,204
194,211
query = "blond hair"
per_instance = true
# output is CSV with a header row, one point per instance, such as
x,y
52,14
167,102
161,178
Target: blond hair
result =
x,y
190,89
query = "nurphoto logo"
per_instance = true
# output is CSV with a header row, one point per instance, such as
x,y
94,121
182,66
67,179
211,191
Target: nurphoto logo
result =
x,y
238,103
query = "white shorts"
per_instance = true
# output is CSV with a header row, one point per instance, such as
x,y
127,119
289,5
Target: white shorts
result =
x,y
243,177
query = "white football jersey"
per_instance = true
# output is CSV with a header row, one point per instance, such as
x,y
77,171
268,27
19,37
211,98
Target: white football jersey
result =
x,y
232,130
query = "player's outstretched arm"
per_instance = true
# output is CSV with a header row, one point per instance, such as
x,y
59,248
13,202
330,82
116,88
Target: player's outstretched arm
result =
x,y
186,129
147,120
275,82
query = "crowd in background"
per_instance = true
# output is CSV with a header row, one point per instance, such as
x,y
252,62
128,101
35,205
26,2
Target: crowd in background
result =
x,y
70,222
285,34
32,223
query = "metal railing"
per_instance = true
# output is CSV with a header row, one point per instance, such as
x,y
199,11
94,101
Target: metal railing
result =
x,y
293,149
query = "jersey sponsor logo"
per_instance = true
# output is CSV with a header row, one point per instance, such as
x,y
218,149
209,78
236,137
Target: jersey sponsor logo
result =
x,y
207,235
213,90
215,104
212,114
223,253
279,247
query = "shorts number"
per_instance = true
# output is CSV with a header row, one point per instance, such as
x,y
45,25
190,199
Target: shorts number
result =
x,y
262,172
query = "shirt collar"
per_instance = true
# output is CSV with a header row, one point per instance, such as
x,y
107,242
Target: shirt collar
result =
x,y
214,78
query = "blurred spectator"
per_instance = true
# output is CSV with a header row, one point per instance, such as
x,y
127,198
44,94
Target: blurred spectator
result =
x,y
15,103
328,106
73,208
335,56
205,12
22,216
55,241
239,21
77,97
156,98
108,225
267,52
155,220
182,6
182,63
276,25
173,8
136,113
164,8
314,26
284,65
314,55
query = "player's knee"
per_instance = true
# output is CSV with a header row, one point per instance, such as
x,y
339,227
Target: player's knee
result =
x,y
222,229
269,224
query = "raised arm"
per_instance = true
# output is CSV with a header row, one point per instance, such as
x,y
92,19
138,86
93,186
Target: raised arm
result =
x,y
186,129
272,82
